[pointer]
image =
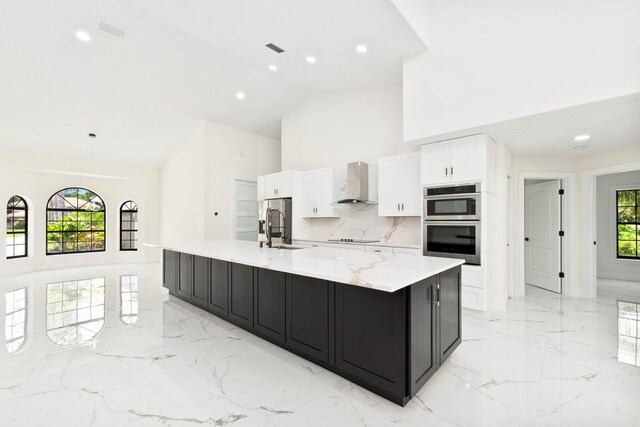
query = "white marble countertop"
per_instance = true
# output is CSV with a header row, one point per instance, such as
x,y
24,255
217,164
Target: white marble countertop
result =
x,y
380,243
381,271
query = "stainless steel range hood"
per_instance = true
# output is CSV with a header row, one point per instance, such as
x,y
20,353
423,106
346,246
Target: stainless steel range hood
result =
x,y
357,184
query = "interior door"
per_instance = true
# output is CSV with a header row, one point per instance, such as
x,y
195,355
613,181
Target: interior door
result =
x,y
542,246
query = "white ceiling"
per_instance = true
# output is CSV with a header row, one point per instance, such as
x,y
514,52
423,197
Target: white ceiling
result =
x,y
610,123
178,63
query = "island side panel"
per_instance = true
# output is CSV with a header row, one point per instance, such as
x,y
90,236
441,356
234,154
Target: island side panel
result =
x,y
219,288
170,269
450,313
370,339
423,333
269,304
241,295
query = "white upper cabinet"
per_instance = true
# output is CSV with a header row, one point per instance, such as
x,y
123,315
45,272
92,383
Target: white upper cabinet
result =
x,y
278,185
319,191
399,185
456,160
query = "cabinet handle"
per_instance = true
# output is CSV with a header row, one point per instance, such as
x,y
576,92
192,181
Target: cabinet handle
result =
x,y
398,206
446,171
436,289
403,206
451,170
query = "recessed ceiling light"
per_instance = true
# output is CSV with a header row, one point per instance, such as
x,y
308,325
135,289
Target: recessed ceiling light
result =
x,y
311,59
240,95
83,35
361,48
273,67
582,137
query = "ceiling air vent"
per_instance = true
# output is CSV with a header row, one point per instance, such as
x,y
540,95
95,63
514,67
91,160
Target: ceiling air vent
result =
x,y
111,29
275,48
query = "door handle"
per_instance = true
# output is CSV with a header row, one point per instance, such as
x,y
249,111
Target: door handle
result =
x,y
526,239
435,289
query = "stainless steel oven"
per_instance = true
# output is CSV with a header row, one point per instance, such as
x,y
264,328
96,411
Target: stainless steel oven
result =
x,y
452,239
456,202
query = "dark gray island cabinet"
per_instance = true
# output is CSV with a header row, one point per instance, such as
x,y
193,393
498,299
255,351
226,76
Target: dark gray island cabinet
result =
x,y
390,343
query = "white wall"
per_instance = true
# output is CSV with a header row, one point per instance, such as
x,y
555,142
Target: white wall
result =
x,y
489,61
335,128
37,177
609,267
198,180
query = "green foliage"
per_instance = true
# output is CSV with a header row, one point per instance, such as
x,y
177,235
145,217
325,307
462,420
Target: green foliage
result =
x,y
73,232
627,232
627,249
627,198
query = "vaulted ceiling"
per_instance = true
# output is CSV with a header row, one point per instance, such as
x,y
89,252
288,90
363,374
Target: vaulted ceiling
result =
x,y
180,62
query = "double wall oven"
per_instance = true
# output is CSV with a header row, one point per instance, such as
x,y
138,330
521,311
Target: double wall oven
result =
x,y
452,222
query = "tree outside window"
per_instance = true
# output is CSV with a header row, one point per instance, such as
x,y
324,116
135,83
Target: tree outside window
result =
x,y
628,224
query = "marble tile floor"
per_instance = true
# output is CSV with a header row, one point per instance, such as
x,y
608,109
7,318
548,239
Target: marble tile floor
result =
x,y
107,346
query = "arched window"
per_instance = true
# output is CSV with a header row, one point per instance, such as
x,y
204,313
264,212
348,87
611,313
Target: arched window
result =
x,y
17,227
129,226
75,222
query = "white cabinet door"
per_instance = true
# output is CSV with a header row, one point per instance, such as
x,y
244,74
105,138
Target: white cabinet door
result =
x,y
390,186
308,194
411,190
434,163
468,158
409,251
325,193
285,184
271,186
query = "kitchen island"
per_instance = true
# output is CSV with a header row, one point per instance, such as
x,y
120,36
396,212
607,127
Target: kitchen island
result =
x,y
386,322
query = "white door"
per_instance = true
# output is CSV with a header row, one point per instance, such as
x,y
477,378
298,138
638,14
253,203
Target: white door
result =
x,y
542,246
466,162
434,163
309,183
390,186
412,194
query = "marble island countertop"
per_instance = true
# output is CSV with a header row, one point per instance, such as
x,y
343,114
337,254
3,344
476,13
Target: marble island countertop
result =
x,y
381,271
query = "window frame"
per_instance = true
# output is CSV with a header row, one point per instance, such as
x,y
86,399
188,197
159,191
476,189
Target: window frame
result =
x,y
122,211
26,226
47,232
636,207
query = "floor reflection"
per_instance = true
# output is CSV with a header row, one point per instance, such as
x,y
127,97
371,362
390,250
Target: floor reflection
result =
x,y
75,311
15,329
129,299
629,332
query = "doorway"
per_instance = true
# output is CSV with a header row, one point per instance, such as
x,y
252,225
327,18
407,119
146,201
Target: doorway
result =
x,y
543,229
568,283
246,210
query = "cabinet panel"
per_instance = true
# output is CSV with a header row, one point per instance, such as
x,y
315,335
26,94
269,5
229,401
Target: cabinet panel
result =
x,y
467,159
408,251
200,291
308,316
285,184
219,288
390,186
370,336
449,312
269,307
308,194
379,249
271,186
434,168
423,334
411,189
185,276
170,268
241,294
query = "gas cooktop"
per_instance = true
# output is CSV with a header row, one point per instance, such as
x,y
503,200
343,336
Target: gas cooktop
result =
x,y
353,240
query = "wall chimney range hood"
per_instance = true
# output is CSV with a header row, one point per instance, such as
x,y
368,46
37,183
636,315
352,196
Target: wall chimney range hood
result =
x,y
357,190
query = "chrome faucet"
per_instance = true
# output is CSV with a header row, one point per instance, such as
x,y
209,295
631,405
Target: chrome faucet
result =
x,y
270,226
